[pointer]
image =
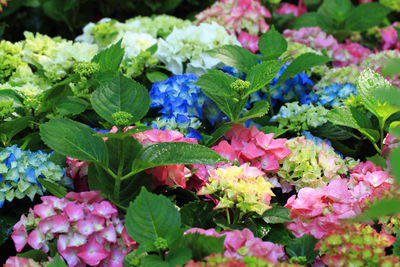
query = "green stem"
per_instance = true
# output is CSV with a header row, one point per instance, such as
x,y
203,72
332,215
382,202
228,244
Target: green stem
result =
x,y
110,172
382,137
270,101
128,175
118,178
377,148
228,218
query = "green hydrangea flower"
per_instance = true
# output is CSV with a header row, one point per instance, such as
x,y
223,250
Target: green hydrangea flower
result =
x,y
297,117
312,165
10,60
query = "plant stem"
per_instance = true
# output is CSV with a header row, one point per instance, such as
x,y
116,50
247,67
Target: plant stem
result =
x,y
228,216
270,101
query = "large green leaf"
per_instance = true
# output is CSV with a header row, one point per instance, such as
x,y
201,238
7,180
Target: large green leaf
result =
x,y
110,58
173,153
261,75
150,217
154,261
277,214
312,19
302,247
349,117
13,127
202,245
178,257
57,262
235,56
272,44
71,105
368,84
217,83
302,63
366,16
259,109
74,139
337,10
379,208
121,94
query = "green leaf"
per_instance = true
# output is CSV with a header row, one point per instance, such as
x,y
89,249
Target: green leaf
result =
x,y
379,208
74,139
57,262
156,76
178,257
378,160
217,134
272,44
279,234
235,56
100,180
55,189
366,16
369,83
303,246
36,255
312,19
395,164
151,216
110,58
396,245
197,214
392,67
272,129
121,94
174,153
337,10
6,227
260,108
261,75
302,63
332,132
202,245
71,105
13,127
257,226
8,94
216,83
277,214
154,260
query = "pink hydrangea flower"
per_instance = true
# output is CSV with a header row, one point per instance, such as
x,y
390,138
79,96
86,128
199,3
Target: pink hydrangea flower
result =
x,y
297,11
316,211
389,38
237,239
86,227
248,41
369,182
20,262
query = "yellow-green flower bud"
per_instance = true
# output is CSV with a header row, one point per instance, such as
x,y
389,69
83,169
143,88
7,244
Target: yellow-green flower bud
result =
x,y
240,86
122,118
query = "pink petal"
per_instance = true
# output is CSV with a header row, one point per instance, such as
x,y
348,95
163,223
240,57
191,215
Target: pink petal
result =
x,y
36,239
116,258
109,234
92,253
74,212
60,224
104,209
85,227
19,236
89,197
44,210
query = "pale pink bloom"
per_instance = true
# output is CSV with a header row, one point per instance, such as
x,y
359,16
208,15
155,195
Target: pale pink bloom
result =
x,y
36,240
92,252
116,258
249,41
109,234
104,209
85,227
46,225
44,210
287,8
60,224
20,262
76,240
89,196
19,236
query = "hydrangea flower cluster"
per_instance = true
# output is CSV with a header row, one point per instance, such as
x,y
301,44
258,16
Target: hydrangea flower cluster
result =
x,y
108,31
356,245
254,147
334,94
297,11
241,187
311,165
189,45
297,117
87,229
20,171
389,36
55,55
19,261
10,60
243,17
294,88
241,243
369,182
219,260
342,54
181,102
343,75
318,211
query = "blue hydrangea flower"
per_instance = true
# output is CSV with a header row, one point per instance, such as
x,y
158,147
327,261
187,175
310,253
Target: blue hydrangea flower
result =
x,y
316,139
334,94
20,170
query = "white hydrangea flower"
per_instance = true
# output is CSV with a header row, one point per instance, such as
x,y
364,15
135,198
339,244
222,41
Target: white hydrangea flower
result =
x,y
189,44
134,43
